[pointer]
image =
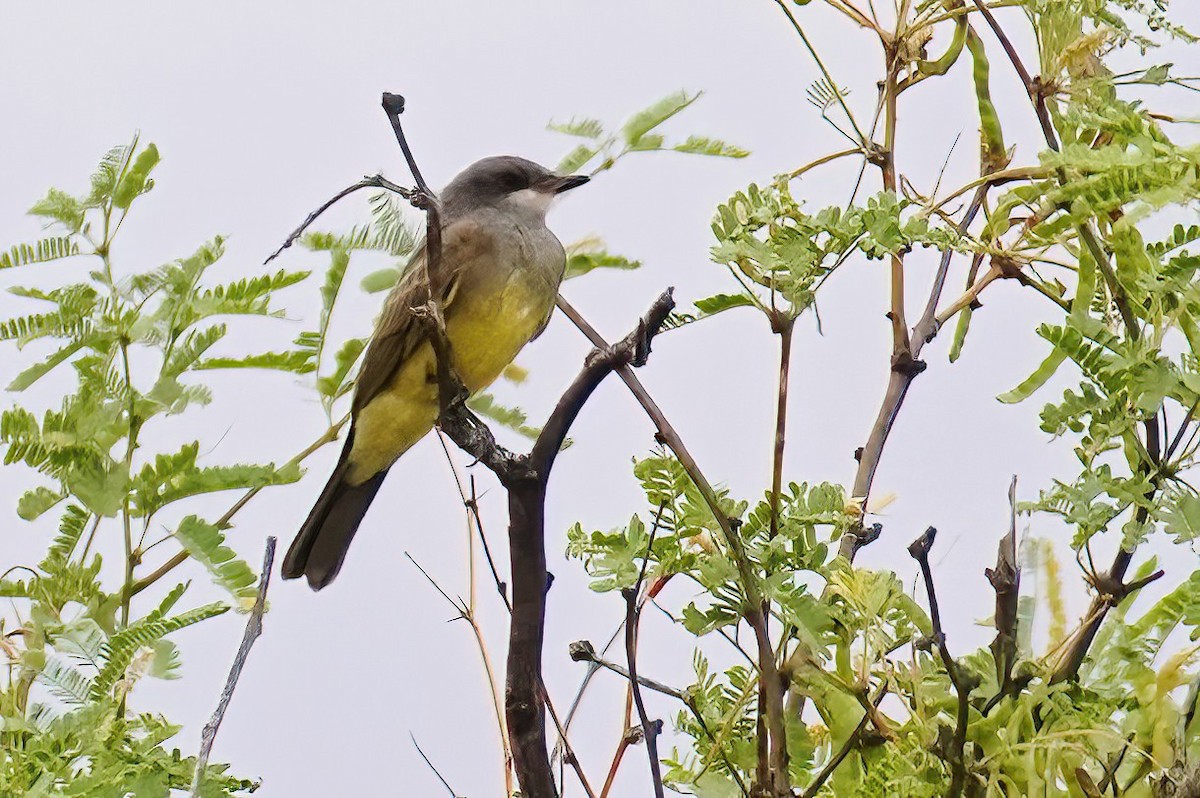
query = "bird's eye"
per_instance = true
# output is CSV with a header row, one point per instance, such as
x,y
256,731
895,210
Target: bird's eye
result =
x,y
514,181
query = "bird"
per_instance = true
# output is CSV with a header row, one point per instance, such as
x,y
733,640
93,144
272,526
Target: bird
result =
x,y
496,282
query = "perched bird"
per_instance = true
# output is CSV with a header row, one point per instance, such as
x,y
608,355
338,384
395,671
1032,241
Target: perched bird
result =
x,y
496,280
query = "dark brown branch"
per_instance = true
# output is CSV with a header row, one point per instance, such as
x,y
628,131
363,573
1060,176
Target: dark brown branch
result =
x,y
786,324
901,377
584,651
650,729
371,181
964,682
526,478
393,106
1006,581
253,630
851,742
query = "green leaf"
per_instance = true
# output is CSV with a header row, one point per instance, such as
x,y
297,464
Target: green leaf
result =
x,y
205,544
172,477
295,361
108,173
70,530
135,181
648,143
40,369
1036,380
960,333
381,280
61,207
702,145
719,303
251,295
120,650
649,118
589,254
34,503
581,127
512,417
575,159
100,487
43,251
1183,518
335,385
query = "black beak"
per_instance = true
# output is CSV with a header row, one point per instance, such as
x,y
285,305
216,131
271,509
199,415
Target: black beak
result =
x,y
568,182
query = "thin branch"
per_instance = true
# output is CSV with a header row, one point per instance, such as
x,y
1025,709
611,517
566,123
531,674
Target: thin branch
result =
x,y
837,91
436,772
472,505
584,651
901,377
1006,581
851,742
964,682
568,752
824,159
525,478
787,325
253,630
650,729
370,181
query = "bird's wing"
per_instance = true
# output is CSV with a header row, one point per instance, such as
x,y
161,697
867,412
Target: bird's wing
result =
x,y
398,333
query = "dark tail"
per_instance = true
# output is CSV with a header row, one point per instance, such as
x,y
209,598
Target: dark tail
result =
x,y
320,547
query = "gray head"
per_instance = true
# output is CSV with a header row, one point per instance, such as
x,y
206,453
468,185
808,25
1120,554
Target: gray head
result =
x,y
501,179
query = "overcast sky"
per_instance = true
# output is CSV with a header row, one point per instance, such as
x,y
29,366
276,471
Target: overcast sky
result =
x,y
262,110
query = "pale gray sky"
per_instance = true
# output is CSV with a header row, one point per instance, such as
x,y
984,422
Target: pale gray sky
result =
x,y
262,110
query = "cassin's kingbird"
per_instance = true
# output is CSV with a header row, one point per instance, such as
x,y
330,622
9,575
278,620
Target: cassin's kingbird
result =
x,y
496,280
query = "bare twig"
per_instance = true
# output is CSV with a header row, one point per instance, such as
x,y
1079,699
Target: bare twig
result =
x,y
253,630
964,681
436,772
584,651
786,324
370,181
1006,581
650,729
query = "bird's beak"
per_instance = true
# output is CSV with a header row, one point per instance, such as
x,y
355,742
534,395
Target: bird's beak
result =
x,y
562,183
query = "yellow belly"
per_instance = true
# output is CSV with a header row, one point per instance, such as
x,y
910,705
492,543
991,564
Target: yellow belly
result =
x,y
486,329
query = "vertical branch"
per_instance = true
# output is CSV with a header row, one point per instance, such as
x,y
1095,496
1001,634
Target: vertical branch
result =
x,y
524,706
471,506
899,380
650,729
253,630
1006,581
525,478
964,682
784,325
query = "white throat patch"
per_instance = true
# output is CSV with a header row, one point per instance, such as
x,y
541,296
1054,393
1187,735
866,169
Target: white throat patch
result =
x,y
537,201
